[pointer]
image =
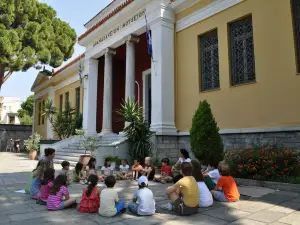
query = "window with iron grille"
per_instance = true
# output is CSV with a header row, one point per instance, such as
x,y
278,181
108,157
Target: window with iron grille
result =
x,y
296,22
209,61
43,108
66,100
61,98
77,100
39,113
242,51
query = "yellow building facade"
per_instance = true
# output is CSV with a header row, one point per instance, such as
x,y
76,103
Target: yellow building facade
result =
x,y
64,86
242,56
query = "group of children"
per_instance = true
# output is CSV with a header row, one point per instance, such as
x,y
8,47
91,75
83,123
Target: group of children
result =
x,y
192,187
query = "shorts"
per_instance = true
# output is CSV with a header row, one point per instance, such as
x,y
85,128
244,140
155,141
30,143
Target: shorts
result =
x,y
219,196
183,209
62,206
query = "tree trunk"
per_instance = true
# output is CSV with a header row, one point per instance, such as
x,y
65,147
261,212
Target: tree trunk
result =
x,y
2,71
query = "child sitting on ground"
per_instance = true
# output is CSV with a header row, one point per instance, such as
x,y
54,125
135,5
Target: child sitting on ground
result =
x,y
149,170
110,204
226,189
136,169
59,192
211,178
65,170
43,165
107,169
46,185
166,175
143,201
78,175
184,195
91,168
90,200
205,197
124,169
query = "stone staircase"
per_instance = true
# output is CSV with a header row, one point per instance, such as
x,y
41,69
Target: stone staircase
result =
x,y
72,150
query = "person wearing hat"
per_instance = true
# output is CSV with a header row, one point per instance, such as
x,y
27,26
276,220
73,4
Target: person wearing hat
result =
x,y
143,203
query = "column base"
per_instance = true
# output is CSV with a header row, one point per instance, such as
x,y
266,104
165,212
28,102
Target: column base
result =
x,y
107,133
164,129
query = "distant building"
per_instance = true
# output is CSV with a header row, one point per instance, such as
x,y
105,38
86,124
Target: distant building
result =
x,y
9,107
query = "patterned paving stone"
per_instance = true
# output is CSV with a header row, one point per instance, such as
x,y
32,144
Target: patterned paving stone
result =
x,y
292,219
267,216
227,214
247,222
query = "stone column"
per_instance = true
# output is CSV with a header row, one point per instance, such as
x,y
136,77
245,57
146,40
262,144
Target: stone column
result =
x,y
90,96
163,73
130,67
50,134
107,95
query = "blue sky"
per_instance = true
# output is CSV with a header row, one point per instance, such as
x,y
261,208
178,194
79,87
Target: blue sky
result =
x,y
76,13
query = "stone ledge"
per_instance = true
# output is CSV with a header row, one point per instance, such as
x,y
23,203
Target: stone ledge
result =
x,y
269,184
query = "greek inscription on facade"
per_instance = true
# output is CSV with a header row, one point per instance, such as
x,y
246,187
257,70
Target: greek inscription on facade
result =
x,y
120,27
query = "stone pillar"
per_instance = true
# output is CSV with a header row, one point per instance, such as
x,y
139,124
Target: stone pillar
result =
x,y
107,95
90,96
163,73
130,67
50,133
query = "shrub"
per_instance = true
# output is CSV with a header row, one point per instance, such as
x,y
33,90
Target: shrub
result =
x,y
138,131
269,162
206,142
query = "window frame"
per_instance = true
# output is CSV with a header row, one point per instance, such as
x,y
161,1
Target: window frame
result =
x,y
43,116
200,47
67,99
296,34
39,112
61,101
77,100
232,56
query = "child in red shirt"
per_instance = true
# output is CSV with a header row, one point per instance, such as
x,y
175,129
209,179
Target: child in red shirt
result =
x,y
90,201
226,188
166,175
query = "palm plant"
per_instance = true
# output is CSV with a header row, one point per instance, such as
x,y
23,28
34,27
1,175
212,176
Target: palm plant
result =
x,y
137,131
63,123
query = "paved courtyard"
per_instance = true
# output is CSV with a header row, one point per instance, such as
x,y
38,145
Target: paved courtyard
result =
x,y
277,208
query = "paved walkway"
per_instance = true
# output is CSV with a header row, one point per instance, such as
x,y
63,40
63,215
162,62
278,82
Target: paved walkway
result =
x,y
278,208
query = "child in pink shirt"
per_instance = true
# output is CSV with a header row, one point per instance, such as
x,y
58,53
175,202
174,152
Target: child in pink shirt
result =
x,y
59,197
46,185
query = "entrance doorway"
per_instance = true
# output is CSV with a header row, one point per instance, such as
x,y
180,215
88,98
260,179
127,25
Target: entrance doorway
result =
x,y
147,95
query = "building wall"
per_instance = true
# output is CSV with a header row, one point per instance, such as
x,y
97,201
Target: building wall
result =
x,y
40,128
15,132
9,107
72,95
272,101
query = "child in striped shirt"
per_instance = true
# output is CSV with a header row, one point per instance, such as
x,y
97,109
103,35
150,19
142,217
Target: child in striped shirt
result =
x,y
59,197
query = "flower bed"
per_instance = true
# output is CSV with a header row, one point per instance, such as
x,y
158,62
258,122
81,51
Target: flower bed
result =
x,y
269,163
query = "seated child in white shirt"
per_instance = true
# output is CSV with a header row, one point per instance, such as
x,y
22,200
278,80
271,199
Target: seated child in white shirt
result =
x,y
212,177
107,169
143,203
124,170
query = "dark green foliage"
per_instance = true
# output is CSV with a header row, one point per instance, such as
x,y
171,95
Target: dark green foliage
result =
x,y
138,131
206,142
26,111
32,35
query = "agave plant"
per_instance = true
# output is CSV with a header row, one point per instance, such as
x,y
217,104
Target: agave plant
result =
x,y
137,131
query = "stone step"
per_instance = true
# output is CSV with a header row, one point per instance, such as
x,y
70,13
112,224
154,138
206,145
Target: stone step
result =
x,y
64,153
67,158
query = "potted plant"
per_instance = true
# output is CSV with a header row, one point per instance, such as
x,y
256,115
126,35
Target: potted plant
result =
x,y
114,160
89,143
32,145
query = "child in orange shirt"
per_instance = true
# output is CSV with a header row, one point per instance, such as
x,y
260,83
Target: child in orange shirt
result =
x,y
136,169
226,189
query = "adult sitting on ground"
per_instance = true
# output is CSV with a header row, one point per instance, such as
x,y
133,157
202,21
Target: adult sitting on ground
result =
x,y
184,195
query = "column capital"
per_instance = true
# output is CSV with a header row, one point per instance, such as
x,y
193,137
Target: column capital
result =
x,y
109,51
132,39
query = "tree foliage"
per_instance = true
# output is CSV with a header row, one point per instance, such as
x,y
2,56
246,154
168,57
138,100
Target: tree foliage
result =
x,y
26,111
31,35
206,142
